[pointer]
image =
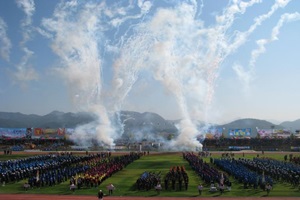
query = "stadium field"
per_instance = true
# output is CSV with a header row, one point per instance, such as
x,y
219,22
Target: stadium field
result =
x,y
155,162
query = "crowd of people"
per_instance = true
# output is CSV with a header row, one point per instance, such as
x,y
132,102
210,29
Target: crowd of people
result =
x,y
278,170
243,174
176,179
102,168
148,180
91,170
214,178
63,168
52,169
207,172
258,144
16,170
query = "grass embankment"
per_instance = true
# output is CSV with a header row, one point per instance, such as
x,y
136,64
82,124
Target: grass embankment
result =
x,y
125,180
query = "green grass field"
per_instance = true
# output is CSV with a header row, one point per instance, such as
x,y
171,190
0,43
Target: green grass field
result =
x,y
125,180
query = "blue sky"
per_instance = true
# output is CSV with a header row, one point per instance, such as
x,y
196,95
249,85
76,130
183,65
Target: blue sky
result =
x,y
210,60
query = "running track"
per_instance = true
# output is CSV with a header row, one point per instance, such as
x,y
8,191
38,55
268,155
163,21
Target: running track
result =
x,y
72,197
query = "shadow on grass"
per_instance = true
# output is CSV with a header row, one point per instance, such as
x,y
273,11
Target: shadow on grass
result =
x,y
133,187
154,195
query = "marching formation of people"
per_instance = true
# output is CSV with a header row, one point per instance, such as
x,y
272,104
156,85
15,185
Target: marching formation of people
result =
x,y
66,167
91,170
52,169
16,170
148,180
207,172
278,170
102,168
218,180
243,174
176,179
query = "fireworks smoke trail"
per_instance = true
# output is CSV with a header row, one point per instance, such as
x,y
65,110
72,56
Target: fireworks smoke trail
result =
x,y
287,17
4,41
25,72
247,76
171,43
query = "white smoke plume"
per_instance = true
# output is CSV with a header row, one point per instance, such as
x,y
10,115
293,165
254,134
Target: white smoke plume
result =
x,y
25,71
5,42
172,43
75,40
183,55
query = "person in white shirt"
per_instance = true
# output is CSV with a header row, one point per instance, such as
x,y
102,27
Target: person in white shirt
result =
x,y
200,188
268,188
110,188
158,187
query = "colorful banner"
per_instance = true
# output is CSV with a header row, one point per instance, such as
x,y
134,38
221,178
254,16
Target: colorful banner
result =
x,y
213,133
49,133
281,133
61,132
210,133
274,133
13,133
37,133
265,133
239,133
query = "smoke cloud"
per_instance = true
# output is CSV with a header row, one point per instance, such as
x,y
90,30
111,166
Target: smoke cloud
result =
x,y
171,43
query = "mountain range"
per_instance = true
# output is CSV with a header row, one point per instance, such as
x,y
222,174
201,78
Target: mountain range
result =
x,y
132,121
